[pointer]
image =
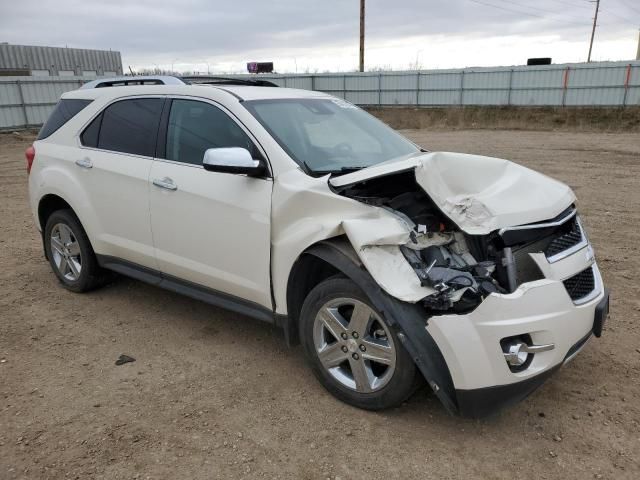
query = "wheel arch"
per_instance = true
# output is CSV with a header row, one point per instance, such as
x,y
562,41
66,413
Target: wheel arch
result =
x,y
50,203
337,256
308,271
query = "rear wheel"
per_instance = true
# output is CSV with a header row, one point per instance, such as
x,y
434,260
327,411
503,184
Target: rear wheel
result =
x,y
70,253
351,348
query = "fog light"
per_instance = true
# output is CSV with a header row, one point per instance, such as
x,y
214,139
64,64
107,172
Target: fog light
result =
x,y
519,351
517,354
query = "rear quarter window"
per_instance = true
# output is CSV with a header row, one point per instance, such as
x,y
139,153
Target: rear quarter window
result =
x,y
64,111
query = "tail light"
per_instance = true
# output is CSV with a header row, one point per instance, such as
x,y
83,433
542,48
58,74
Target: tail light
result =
x,y
30,154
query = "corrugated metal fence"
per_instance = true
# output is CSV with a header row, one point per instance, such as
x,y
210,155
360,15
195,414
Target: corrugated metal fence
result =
x,y
593,84
26,101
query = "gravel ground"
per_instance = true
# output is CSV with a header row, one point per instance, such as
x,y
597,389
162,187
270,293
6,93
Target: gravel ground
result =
x,y
215,395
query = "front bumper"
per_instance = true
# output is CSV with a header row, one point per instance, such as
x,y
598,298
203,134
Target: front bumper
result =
x,y
482,402
542,309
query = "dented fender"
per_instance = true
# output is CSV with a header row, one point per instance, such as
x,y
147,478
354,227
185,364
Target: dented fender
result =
x,y
408,320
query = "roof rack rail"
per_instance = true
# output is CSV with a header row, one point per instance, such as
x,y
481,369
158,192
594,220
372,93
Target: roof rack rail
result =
x,y
134,80
209,80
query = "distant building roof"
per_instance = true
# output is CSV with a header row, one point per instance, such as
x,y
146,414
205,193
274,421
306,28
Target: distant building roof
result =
x,y
59,59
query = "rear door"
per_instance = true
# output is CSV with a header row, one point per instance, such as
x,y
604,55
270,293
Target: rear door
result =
x,y
209,228
115,162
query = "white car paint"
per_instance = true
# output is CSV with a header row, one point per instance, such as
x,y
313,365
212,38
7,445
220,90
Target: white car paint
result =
x,y
211,220
242,235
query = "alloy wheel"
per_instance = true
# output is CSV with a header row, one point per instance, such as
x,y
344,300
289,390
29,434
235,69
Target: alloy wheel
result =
x,y
65,250
354,345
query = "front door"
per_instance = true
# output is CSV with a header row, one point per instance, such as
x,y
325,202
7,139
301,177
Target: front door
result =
x,y
211,229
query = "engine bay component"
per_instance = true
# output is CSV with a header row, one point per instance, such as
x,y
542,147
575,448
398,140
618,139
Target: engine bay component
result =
x,y
458,280
509,264
453,270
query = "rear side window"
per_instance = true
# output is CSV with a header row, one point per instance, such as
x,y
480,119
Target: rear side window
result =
x,y
64,111
89,136
128,126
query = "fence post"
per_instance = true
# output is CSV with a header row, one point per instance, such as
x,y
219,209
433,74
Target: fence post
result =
x,y
313,83
24,105
565,83
510,87
627,77
344,86
380,89
418,88
461,87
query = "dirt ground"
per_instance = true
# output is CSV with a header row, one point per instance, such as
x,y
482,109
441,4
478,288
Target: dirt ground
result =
x,y
215,395
582,119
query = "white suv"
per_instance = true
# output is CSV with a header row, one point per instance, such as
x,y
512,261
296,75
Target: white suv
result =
x,y
387,262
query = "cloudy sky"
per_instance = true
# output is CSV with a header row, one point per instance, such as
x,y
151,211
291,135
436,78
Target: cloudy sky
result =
x,y
322,35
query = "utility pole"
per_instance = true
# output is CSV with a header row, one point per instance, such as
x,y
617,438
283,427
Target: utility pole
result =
x,y
362,35
638,52
593,30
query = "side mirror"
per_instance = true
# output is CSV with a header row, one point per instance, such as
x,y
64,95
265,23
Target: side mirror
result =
x,y
232,160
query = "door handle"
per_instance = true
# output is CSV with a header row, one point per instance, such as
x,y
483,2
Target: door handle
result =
x,y
84,163
166,183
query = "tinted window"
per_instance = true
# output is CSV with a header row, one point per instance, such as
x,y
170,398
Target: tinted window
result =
x,y
89,136
196,126
131,126
64,111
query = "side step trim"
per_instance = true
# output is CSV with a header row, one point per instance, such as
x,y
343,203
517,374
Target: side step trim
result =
x,y
189,289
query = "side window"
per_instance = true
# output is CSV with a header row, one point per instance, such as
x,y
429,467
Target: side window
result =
x,y
89,137
196,126
64,111
128,126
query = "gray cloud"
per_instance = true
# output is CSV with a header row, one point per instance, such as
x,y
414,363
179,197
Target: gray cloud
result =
x,y
193,30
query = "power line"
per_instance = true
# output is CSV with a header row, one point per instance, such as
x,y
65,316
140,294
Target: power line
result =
x,y
623,2
508,9
544,10
619,17
584,3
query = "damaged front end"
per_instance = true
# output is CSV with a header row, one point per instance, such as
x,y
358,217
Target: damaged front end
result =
x,y
421,255
495,254
442,243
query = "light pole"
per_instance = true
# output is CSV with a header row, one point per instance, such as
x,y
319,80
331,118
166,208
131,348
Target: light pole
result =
x,y
362,35
593,30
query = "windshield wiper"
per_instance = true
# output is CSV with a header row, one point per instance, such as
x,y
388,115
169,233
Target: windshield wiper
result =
x,y
341,170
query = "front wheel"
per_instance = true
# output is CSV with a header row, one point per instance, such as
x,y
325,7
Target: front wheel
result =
x,y
352,350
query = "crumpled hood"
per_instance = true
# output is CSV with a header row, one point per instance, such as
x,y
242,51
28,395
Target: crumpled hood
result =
x,y
480,194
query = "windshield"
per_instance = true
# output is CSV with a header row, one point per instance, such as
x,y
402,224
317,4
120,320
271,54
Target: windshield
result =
x,y
329,135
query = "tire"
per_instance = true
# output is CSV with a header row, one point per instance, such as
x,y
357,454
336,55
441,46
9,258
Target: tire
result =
x,y
375,372
70,254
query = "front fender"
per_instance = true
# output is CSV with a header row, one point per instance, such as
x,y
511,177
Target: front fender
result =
x,y
408,320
